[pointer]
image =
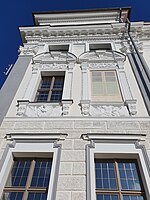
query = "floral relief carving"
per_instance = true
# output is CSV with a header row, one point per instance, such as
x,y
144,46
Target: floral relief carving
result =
x,y
28,50
108,111
39,110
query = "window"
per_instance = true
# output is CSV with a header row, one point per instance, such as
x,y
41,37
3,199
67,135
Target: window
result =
x,y
50,89
28,179
105,86
102,46
62,48
118,180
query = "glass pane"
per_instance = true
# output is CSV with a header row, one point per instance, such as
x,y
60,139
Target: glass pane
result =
x,y
56,96
42,96
37,196
98,89
105,175
59,82
12,196
129,176
41,174
107,197
112,88
46,82
132,197
19,173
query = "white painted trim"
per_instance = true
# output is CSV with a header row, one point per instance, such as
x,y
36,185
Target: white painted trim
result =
x,y
115,149
37,149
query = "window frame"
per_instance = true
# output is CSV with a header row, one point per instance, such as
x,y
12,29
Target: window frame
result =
x,y
50,89
104,82
119,191
20,149
27,188
115,149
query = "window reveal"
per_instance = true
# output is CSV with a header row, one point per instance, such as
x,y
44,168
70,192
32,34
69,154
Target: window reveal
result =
x,y
118,180
50,89
105,86
28,180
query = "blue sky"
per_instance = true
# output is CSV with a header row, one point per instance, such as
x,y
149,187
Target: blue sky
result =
x,y
14,13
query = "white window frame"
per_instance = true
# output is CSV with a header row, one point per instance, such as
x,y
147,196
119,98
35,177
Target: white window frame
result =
x,y
30,149
108,149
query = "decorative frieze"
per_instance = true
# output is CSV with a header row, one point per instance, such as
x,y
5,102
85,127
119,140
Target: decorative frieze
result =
x,y
108,111
27,109
28,50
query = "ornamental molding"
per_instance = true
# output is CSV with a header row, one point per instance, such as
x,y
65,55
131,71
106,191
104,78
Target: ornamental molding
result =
x,y
26,109
108,111
103,65
49,67
101,56
98,110
33,109
28,50
62,39
54,57
127,47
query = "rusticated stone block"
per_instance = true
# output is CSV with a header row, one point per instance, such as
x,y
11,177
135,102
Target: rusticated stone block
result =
x,y
123,125
7,125
78,196
65,168
72,156
59,124
145,125
99,124
80,144
83,124
63,195
67,144
29,125
79,168
71,183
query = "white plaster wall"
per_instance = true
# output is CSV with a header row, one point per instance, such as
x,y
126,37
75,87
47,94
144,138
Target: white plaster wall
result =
x,y
141,109
76,91
20,92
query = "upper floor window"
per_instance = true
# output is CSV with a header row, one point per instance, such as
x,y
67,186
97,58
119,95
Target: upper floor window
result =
x,y
102,46
28,179
105,86
118,180
62,48
50,89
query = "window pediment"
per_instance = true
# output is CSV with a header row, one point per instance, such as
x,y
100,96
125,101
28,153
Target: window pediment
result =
x,y
55,56
101,56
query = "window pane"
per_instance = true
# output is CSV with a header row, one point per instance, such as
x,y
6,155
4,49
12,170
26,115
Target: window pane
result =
x,y
133,197
41,174
42,96
19,173
46,82
105,175
105,86
59,82
107,197
56,96
129,176
12,196
37,196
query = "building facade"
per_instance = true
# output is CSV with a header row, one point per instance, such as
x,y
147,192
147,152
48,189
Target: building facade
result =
x,y
74,111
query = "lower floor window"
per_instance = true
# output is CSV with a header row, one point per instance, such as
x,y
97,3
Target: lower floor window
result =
x,y
28,179
118,180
